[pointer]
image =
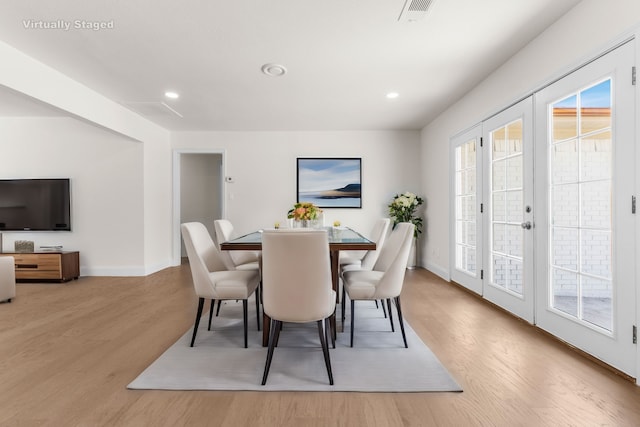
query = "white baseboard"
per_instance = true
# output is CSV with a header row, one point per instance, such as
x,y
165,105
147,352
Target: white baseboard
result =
x,y
438,271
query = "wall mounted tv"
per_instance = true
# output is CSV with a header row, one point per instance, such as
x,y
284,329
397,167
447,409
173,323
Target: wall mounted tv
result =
x,y
35,204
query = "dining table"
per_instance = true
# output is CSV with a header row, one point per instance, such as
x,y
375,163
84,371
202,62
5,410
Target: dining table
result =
x,y
340,239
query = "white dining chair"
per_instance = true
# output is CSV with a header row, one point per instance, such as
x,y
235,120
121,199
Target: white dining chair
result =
x,y
366,259
212,280
296,280
234,260
384,282
348,262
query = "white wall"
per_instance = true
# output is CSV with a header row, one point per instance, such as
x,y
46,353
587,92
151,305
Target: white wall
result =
x,y
584,32
152,177
263,168
106,188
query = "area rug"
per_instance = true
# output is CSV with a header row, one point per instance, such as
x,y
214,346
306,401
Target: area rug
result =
x,y
378,362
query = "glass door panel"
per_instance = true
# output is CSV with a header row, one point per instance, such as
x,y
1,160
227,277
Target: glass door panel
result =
x,y
466,254
509,167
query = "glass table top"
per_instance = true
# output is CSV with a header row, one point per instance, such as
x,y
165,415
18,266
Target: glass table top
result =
x,y
342,235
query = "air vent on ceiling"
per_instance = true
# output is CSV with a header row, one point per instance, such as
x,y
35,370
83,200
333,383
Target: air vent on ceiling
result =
x,y
414,10
152,109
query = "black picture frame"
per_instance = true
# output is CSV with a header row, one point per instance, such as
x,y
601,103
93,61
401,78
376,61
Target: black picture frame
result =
x,y
330,182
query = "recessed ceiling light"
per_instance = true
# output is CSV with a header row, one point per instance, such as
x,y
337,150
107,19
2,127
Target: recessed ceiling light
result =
x,y
171,95
274,70
393,95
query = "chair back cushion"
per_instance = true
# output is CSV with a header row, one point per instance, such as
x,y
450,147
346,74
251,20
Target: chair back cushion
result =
x,y
231,259
296,275
204,256
393,260
223,230
378,235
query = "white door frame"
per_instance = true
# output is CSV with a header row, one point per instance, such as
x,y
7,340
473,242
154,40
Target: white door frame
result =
x,y
176,255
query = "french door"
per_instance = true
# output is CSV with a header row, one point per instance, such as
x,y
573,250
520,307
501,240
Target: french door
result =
x,y
466,250
493,209
566,262
508,209
585,229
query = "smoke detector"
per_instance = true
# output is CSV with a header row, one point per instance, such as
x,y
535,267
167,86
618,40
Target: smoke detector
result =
x,y
414,10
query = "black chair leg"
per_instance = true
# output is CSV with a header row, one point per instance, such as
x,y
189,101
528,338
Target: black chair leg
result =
x,y
344,298
327,328
275,328
258,295
195,327
245,315
213,303
404,337
353,320
384,310
325,349
218,310
377,304
393,329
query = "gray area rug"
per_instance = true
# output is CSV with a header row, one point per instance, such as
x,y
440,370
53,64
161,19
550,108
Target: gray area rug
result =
x,y
378,362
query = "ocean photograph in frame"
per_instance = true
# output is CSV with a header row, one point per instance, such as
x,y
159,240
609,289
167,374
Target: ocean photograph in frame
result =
x,y
330,182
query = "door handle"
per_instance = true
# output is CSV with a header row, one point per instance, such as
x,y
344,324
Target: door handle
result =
x,y
526,225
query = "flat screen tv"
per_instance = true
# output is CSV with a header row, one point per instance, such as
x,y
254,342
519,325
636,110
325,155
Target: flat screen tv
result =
x,y
35,204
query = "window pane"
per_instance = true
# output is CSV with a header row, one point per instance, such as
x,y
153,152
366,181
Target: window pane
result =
x,y
564,162
514,172
596,204
514,135
565,118
498,144
596,156
565,248
597,297
565,205
595,110
498,174
514,206
565,291
595,252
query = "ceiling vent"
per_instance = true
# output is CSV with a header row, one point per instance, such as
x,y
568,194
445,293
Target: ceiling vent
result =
x,y
414,10
153,109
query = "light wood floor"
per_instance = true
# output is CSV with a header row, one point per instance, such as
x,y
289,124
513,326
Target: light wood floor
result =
x,y
67,352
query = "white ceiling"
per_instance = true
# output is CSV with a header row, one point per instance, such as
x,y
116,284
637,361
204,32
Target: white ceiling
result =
x,y
342,57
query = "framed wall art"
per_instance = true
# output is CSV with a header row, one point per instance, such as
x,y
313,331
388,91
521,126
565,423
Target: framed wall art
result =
x,y
330,182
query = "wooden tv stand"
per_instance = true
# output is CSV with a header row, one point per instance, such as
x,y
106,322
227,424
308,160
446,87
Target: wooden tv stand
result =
x,y
34,266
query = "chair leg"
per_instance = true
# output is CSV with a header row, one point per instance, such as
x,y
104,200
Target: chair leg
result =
x,y
213,303
325,349
393,329
258,295
404,337
198,314
218,310
353,320
377,304
327,326
274,328
344,298
245,315
384,310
